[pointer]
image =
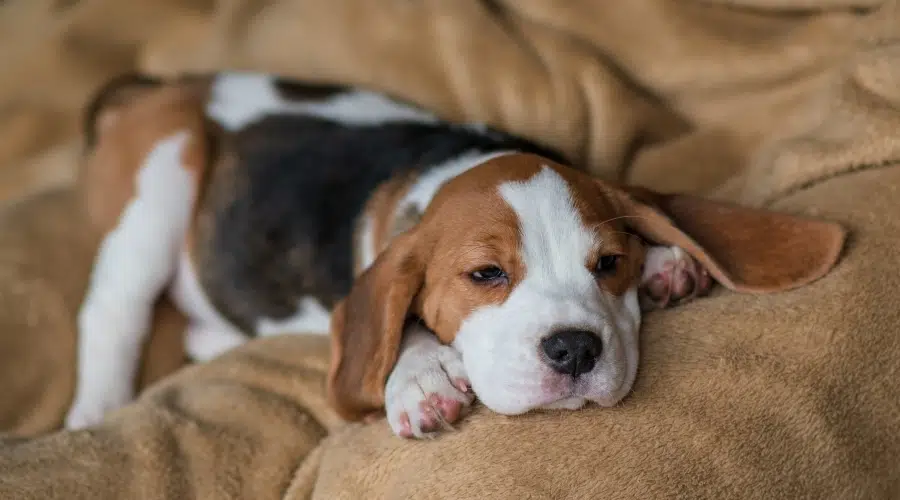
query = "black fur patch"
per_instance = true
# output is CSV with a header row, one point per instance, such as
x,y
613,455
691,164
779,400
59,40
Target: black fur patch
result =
x,y
283,218
293,90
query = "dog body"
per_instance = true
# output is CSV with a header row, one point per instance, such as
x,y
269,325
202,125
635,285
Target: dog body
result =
x,y
456,259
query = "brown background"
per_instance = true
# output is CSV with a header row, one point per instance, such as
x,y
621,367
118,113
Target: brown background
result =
x,y
792,104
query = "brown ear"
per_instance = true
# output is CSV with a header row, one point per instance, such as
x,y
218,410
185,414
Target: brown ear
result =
x,y
367,328
744,249
111,96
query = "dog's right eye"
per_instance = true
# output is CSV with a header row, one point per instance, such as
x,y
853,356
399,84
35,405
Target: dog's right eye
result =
x,y
488,274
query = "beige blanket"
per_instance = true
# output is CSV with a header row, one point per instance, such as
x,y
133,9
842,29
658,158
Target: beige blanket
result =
x,y
793,104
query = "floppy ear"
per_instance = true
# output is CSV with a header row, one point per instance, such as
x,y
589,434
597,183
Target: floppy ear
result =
x,y
744,249
367,328
115,93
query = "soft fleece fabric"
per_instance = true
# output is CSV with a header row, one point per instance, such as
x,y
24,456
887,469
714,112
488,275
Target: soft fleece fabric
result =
x,y
792,104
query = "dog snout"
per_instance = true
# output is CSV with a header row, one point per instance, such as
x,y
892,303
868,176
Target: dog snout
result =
x,y
572,352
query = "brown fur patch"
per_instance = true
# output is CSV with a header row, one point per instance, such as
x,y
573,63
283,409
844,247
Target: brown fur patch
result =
x,y
380,211
108,175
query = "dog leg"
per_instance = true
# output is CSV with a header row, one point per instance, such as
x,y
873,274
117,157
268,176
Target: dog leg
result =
x,y
134,263
428,388
671,277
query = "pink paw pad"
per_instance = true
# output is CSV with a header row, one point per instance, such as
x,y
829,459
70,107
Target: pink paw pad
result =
x,y
437,411
671,277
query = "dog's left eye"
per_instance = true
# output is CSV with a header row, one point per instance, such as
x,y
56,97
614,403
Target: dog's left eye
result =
x,y
607,264
488,274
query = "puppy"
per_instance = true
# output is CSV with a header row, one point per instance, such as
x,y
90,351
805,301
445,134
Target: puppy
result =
x,y
446,260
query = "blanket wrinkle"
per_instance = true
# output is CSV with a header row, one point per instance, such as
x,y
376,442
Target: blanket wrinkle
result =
x,y
788,104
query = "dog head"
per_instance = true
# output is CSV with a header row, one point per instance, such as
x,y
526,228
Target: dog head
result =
x,y
530,269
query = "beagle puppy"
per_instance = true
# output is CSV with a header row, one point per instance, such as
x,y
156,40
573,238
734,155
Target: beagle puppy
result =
x,y
446,260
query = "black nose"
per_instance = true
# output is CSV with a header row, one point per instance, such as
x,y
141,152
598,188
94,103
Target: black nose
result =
x,y
572,352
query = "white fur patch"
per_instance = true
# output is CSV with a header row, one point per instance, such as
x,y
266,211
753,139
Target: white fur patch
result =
x,y
311,317
134,263
555,242
500,343
238,99
368,247
427,185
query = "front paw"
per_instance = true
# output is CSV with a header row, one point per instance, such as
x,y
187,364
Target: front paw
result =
x,y
671,277
426,392
89,407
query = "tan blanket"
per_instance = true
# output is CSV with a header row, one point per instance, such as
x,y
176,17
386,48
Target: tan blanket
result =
x,y
793,104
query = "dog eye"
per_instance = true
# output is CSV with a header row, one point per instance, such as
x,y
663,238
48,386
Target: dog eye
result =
x,y
607,264
487,274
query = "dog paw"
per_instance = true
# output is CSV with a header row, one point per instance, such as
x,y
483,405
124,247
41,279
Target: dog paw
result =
x,y
427,391
89,409
671,277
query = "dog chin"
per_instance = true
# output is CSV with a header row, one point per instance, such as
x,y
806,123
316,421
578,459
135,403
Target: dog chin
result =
x,y
568,403
607,397
555,393
519,402
557,398
577,397
560,399
576,401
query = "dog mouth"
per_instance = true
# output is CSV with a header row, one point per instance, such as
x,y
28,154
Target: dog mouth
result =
x,y
570,402
554,392
560,392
